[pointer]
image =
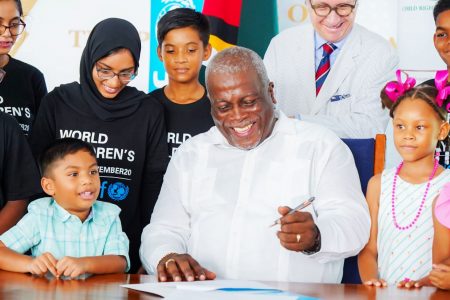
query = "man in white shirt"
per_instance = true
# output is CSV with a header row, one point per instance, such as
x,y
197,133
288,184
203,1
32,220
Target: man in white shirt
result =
x,y
331,71
223,189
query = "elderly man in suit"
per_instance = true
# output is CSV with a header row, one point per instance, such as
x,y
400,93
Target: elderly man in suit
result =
x,y
331,71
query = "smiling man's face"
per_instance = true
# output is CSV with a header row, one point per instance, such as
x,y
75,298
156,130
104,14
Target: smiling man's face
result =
x,y
332,28
242,108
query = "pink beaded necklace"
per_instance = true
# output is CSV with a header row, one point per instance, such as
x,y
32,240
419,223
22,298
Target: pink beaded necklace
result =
x,y
394,185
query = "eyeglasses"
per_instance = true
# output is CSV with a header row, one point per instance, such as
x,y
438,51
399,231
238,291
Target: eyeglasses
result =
x,y
342,10
14,29
124,77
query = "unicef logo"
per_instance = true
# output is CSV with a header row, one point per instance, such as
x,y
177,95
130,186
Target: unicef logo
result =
x,y
172,4
118,191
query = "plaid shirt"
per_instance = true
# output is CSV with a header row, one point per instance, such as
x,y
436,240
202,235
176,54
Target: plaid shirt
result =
x,y
47,227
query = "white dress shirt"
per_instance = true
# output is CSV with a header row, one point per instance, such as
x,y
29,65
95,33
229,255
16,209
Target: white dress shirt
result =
x,y
217,203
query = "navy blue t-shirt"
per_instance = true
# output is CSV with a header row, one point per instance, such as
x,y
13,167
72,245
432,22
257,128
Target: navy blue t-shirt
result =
x,y
19,176
21,91
184,121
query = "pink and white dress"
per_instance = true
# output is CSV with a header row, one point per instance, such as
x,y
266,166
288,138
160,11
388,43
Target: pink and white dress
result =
x,y
406,253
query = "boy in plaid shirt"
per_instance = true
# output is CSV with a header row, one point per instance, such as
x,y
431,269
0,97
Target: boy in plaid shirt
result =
x,y
69,233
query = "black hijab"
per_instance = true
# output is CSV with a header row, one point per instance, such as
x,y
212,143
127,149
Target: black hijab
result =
x,y
83,97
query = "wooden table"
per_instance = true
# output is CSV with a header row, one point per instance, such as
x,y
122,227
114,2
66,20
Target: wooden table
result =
x,y
21,286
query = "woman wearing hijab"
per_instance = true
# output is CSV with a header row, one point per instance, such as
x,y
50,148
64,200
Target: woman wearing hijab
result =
x,y
22,86
125,125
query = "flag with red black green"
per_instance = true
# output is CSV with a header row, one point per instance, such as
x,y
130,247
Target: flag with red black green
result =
x,y
248,23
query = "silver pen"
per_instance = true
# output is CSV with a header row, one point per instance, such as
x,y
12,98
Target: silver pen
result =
x,y
297,208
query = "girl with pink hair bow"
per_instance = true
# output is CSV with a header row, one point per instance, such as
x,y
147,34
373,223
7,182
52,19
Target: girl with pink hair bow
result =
x,y
404,240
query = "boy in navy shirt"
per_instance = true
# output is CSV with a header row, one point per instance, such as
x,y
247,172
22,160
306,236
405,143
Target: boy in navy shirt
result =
x,y
183,44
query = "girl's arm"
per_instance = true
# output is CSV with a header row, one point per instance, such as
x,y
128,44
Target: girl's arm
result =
x,y
368,257
440,275
441,241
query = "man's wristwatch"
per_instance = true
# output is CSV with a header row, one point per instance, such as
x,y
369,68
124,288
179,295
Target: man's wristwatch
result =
x,y
317,243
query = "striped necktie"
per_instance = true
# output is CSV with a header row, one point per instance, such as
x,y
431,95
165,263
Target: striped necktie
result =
x,y
324,66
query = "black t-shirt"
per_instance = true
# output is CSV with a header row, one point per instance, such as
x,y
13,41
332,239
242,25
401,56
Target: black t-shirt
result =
x,y
184,121
21,92
19,174
131,153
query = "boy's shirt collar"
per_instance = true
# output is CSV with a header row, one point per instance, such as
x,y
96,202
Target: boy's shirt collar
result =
x,y
64,215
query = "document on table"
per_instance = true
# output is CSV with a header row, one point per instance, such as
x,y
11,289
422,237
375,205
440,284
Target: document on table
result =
x,y
215,289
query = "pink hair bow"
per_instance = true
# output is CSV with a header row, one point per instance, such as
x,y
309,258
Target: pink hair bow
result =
x,y
396,89
440,81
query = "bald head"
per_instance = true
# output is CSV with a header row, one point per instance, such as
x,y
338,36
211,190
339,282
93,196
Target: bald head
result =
x,y
236,60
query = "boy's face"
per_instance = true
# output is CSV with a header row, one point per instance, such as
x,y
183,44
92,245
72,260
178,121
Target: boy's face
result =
x,y
442,36
182,53
74,183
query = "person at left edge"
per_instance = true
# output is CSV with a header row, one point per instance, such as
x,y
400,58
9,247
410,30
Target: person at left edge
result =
x,y
22,86
19,176
125,125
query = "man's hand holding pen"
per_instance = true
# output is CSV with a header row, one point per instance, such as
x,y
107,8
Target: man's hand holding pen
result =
x,y
298,232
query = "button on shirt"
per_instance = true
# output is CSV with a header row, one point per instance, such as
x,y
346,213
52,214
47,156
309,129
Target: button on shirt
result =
x,y
47,227
218,201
